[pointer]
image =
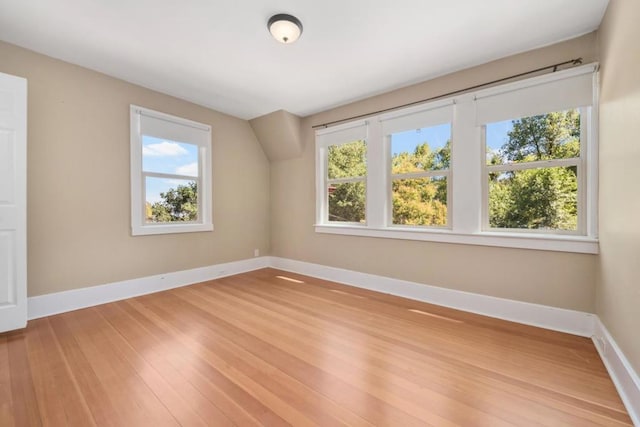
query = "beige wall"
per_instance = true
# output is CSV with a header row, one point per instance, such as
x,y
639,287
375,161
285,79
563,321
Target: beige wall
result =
x,y
78,181
552,278
618,287
279,134
79,193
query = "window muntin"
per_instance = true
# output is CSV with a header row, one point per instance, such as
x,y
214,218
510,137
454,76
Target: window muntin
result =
x,y
170,174
346,182
532,166
420,162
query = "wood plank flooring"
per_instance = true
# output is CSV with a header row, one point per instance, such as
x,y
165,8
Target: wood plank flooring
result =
x,y
275,348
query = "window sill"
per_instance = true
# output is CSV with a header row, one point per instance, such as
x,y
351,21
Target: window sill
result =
x,y
546,242
151,229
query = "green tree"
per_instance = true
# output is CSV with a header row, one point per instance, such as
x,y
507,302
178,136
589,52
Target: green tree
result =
x,y
420,201
178,204
543,197
347,200
543,137
416,201
535,198
348,160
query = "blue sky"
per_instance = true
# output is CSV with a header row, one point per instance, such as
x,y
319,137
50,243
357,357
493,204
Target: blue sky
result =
x,y
497,133
437,137
161,155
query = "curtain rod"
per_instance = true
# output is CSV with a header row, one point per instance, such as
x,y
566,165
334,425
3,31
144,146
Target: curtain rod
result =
x,y
576,61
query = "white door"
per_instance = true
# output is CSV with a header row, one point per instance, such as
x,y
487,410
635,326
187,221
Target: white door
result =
x,y
13,202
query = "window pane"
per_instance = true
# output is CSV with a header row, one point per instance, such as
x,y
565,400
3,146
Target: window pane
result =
x,y
544,137
422,149
170,200
543,198
347,160
346,202
420,201
163,156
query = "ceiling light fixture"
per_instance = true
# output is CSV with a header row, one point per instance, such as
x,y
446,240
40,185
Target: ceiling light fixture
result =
x,y
285,28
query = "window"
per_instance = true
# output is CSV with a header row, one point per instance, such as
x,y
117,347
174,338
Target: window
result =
x,y
420,176
513,165
532,170
346,174
342,158
170,174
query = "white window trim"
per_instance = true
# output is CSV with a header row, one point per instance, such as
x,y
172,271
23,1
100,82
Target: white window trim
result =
x,y
139,227
415,175
352,131
547,242
578,162
465,193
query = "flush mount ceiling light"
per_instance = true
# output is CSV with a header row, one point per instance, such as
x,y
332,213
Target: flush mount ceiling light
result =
x,y
285,28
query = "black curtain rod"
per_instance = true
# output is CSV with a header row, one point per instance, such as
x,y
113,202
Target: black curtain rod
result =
x,y
576,61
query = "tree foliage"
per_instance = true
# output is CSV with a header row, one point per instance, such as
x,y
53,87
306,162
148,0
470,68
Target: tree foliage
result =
x,y
541,198
420,201
347,200
416,201
347,160
543,137
177,204
423,200
535,198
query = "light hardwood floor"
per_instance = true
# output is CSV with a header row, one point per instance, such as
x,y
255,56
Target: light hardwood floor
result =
x,y
261,349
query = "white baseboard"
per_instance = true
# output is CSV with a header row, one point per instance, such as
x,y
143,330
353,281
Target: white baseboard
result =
x,y
61,302
573,322
558,319
623,375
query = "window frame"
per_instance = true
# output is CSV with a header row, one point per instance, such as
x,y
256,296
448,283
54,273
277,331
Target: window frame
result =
x,y
345,180
337,136
466,198
581,170
139,226
416,175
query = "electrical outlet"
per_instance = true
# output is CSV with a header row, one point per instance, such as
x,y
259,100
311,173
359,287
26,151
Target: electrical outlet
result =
x,y
256,252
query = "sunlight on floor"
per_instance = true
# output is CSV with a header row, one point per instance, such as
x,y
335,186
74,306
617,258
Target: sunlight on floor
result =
x,y
347,293
289,279
435,315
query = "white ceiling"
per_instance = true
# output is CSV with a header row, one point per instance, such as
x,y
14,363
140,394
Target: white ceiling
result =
x,y
218,53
